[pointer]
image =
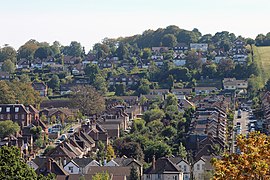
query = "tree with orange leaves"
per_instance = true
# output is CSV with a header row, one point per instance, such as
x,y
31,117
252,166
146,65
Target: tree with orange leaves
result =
x,y
253,163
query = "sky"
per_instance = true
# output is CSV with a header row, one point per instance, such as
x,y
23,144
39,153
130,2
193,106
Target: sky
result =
x,y
90,21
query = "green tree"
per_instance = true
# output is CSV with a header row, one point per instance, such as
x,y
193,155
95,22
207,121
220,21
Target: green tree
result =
x,y
8,52
7,128
12,166
153,114
8,66
54,83
100,84
101,151
110,153
6,94
88,100
43,52
101,176
92,71
122,51
182,151
74,49
169,40
133,174
28,49
120,89
24,78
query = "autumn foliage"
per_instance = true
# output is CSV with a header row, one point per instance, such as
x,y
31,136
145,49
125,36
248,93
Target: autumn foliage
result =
x,y
253,163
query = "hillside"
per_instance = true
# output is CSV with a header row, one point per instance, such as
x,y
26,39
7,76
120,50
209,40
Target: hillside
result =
x,y
262,56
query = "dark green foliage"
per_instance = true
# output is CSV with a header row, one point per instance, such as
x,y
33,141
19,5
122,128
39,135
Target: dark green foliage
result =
x,y
133,174
8,128
54,83
43,52
12,166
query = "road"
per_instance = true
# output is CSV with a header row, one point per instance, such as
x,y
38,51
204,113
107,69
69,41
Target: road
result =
x,y
244,120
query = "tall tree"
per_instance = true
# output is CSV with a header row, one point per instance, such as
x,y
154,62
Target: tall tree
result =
x,y
54,83
12,166
8,52
8,66
8,128
28,49
88,100
43,52
133,174
169,40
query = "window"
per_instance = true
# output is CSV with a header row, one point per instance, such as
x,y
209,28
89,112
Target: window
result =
x,y
2,116
16,116
158,176
70,169
16,109
202,166
22,116
198,167
0,109
8,109
8,116
180,167
185,168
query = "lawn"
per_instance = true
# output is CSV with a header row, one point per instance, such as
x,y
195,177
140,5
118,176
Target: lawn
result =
x,y
262,56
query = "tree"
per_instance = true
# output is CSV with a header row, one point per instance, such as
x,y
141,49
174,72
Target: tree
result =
x,y
53,119
182,151
12,166
153,114
169,40
110,153
133,174
122,51
101,151
8,66
54,83
25,78
120,89
91,71
8,52
88,100
28,49
101,176
43,52
74,49
7,128
252,163
6,94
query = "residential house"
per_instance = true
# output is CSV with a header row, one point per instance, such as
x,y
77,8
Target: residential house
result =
x,y
184,165
198,169
233,84
56,68
41,87
17,113
49,61
179,61
49,165
205,90
126,162
23,64
163,169
96,132
71,60
159,49
37,64
180,92
159,91
180,47
4,76
199,46
80,165
58,112
128,80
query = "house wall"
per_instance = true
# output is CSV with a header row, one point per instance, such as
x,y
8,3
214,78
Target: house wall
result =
x,y
186,169
198,170
163,176
71,168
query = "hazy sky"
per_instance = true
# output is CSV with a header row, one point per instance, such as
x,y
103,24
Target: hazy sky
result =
x,y
89,21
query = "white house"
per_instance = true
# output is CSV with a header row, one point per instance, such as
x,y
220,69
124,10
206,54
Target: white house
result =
x,y
186,169
233,84
80,165
179,62
72,168
198,169
199,46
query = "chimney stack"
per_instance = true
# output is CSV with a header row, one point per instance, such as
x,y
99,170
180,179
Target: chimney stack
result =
x,y
154,162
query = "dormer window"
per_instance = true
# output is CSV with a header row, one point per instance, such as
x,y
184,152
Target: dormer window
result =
x,y
8,109
16,109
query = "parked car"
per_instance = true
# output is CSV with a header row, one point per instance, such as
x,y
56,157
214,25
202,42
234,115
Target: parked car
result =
x,y
71,130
